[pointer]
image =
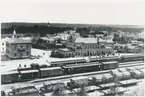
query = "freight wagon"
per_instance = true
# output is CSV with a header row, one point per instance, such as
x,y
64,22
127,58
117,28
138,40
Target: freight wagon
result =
x,y
23,90
126,74
110,65
49,72
79,82
51,86
100,79
9,77
88,89
29,74
137,74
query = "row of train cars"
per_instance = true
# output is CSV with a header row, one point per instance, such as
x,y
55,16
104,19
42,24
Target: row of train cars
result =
x,y
59,68
100,83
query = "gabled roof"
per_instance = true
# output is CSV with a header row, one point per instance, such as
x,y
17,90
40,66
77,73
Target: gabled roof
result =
x,y
86,40
109,41
17,40
102,40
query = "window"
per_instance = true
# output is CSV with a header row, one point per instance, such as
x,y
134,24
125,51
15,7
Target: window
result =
x,y
78,53
88,46
2,43
66,54
15,54
69,55
27,53
3,49
21,54
7,44
15,47
81,53
85,47
27,46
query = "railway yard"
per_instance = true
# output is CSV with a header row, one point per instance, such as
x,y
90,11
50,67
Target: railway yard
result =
x,y
99,77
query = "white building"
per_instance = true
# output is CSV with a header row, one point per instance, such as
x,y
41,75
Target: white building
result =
x,y
3,44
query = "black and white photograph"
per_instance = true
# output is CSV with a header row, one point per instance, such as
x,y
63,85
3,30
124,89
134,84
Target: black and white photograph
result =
x,y
72,48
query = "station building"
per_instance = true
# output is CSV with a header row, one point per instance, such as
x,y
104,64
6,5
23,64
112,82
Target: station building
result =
x,y
85,47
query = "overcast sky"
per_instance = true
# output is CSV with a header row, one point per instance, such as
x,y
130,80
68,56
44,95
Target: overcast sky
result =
x,y
92,12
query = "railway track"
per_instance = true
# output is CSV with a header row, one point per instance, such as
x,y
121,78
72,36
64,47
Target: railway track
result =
x,y
131,65
67,77
85,74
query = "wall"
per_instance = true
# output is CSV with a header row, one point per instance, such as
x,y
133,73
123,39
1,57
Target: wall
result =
x,y
15,53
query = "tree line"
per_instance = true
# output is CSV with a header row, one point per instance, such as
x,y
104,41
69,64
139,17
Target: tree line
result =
x,y
44,29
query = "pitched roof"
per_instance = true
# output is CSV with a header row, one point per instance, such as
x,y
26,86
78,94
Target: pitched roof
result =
x,y
86,40
102,40
26,38
44,38
65,49
109,41
5,39
18,40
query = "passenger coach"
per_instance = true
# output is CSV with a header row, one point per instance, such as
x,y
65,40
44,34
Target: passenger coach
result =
x,y
80,68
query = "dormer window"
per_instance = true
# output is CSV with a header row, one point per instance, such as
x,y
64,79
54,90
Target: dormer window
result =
x,y
21,48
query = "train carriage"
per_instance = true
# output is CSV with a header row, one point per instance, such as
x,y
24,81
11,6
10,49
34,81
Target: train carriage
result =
x,y
52,71
110,65
8,77
29,74
129,58
105,59
87,67
66,62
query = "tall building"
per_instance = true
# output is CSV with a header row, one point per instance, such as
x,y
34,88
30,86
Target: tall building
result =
x,y
18,48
